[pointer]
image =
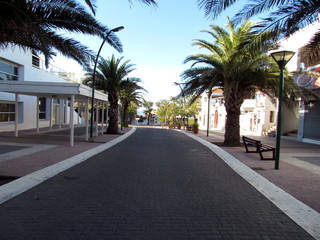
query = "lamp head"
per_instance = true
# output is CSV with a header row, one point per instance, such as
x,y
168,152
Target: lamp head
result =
x,y
117,29
282,57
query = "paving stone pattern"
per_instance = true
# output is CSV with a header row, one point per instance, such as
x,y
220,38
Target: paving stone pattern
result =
x,y
157,184
9,148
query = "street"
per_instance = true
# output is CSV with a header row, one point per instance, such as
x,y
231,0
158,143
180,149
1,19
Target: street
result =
x,y
156,184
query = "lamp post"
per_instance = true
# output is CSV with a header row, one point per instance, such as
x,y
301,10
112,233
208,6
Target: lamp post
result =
x,y
184,100
117,29
281,58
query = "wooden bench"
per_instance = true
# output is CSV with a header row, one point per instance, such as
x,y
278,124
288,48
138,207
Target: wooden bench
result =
x,y
258,147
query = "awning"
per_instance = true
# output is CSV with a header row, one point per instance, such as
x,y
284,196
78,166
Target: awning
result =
x,y
62,90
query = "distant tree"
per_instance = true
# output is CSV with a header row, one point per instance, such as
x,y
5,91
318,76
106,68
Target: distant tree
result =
x,y
111,77
131,93
132,111
148,105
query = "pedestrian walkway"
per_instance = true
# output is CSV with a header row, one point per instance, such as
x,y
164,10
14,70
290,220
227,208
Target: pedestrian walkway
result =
x,y
299,173
157,184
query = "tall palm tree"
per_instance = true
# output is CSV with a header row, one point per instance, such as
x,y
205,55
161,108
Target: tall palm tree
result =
x,y
232,67
148,105
111,77
132,92
34,25
285,17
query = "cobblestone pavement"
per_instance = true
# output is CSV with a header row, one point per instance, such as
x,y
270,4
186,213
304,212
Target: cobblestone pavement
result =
x,y
157,184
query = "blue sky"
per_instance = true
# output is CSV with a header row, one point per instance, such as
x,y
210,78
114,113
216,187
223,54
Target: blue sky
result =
x,y
157,40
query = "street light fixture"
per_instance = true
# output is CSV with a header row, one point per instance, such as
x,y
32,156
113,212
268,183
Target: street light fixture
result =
x,y
117,29
281,58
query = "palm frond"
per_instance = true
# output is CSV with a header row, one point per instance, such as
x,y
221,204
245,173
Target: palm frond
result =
x,y
214,7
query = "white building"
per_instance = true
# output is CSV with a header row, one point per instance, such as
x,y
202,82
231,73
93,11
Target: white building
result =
x,y
306,116
34,97
258,115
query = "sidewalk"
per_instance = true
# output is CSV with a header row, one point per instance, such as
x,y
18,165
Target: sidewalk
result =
x,y
31,151
299,173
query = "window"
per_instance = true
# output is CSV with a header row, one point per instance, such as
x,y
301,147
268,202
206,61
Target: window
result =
x,y
7,112
42,108
8,71
35,60
271,117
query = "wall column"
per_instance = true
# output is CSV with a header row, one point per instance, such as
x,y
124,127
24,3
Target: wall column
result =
x,y
87,119
102,118
16,120
71,121
51,114
97,119
37,113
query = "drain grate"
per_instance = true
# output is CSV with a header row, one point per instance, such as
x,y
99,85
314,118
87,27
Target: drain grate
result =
x,y
258,169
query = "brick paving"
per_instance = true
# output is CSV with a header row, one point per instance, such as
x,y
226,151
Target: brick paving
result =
x,y
301,183
157,184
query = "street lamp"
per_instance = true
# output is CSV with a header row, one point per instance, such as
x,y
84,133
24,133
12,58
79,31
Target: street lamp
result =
x,y
117,29
281,58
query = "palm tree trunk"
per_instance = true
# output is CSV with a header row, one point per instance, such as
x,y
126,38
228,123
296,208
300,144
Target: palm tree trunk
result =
x,y
232,132
125,114
113,114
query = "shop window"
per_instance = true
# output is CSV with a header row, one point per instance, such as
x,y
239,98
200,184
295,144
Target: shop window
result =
x,y
7,112
271,117
42,108
8,71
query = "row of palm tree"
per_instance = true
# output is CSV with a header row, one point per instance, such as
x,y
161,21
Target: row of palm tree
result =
x,y
233,65
112,78
35,25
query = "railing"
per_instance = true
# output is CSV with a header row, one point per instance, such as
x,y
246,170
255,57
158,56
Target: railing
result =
x,y
39,63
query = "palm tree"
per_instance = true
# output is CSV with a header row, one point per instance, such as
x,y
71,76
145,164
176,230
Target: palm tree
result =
x,y
111,78
131,93
285,17
34,25
234,68
148,105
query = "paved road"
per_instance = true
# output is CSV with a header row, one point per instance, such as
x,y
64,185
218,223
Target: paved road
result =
x,y
157,184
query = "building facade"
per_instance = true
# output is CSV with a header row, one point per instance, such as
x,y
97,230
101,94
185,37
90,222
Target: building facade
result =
x,y
32,96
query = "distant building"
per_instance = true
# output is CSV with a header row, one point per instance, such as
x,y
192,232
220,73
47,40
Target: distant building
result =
x,y
258,115
305,118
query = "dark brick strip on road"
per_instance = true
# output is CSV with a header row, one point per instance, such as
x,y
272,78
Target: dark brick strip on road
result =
x,y
157,184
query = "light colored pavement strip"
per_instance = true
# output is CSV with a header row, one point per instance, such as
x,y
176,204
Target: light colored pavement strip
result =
x,y
291,158
23,184
303,215
32,148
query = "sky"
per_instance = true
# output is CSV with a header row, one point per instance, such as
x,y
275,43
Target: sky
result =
x,y
156,39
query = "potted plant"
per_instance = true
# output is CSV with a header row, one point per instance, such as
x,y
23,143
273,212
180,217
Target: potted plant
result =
x,y
195,128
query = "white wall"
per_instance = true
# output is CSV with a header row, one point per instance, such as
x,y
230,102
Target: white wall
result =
x,y
26,73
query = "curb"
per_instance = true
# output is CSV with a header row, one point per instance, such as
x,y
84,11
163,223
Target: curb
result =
x,y
303,215
31,180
